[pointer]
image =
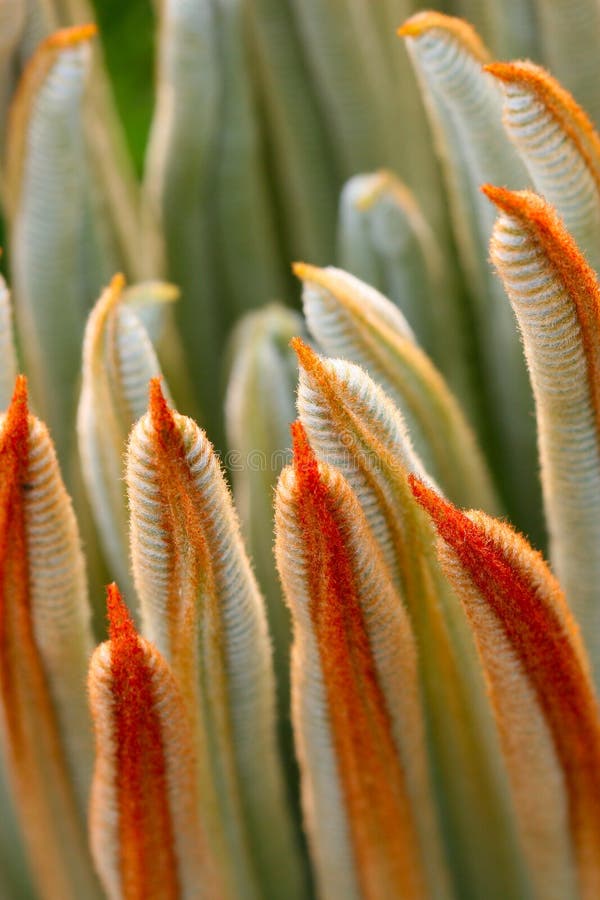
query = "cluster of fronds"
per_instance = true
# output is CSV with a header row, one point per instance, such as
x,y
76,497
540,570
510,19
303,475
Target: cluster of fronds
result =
x,y
445,729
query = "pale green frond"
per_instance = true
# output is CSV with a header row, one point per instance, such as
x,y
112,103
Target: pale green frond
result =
x,y
259,409
569,36
559,146
201,606
353,83
366,787
247,245
303,161
384,239
58,256
352,321
465,108
8,356
556,298
178,176
353,426
46,642
118,362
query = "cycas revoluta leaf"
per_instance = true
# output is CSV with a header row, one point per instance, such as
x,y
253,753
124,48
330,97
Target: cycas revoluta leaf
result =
x,y
541,689
306,180
118,362
464,104
352,425
45,641
58,258
353,321
384,239
558,144
245,230
259,410
8,356
145,832
556,298
356,700
201,606
179,164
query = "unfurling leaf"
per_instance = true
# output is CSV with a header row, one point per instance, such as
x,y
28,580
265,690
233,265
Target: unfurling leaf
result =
x,y
465,104
556,298
541,688
45,641
356,700
352,321
145,831
118,362
201,606
558,144
260,407
352,425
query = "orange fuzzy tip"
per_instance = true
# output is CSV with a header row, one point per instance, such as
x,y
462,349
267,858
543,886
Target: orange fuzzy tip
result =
x,y
120,623
161,415
70,37
305,461
306,355
18,410
429,20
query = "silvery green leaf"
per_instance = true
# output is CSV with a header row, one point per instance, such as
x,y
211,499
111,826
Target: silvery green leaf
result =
x,y
352,321
247,246
260,407
118,362
559,146
384,239
59,252
306,181
465,108
177,181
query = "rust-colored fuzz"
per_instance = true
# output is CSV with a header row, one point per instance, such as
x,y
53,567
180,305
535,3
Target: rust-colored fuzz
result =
x,y
147,855
16,632
543,640
559,102
578,279
370,771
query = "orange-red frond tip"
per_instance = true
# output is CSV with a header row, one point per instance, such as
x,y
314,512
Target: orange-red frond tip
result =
x,y
160,414
307,357
70,37
504,71
16,423
120,623
305,462
438,508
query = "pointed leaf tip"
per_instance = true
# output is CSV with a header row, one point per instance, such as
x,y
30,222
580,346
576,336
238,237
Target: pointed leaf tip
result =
x,y
70,37
18,411
427,20
121,627
305,461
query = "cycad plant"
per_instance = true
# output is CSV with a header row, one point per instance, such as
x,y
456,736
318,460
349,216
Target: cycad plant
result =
x,y
370,685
